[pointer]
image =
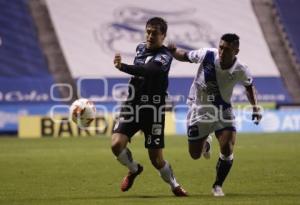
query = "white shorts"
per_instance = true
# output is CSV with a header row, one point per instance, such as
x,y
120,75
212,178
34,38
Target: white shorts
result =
x,y
205,119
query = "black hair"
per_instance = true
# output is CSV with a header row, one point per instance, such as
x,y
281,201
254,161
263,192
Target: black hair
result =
x,y
158,21
231,38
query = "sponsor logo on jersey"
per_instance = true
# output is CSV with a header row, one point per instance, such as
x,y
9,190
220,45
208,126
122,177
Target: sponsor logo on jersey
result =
x,y
163,59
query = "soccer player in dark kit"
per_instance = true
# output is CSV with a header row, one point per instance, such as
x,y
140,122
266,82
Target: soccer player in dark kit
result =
x,y
144,108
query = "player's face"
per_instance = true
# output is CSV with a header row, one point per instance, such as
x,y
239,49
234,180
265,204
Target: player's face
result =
x,y
227,52
154,37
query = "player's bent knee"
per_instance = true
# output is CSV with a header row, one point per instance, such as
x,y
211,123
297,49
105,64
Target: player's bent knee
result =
x,y
195,155
195,151
227,150
117,145
116,148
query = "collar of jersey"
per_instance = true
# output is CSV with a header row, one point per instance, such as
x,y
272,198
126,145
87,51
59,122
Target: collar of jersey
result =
x,y
230,70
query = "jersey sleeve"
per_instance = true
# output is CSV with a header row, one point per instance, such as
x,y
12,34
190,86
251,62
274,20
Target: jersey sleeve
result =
x,y
246,79
197,56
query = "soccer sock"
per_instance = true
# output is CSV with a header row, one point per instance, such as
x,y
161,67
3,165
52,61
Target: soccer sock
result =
x,y
167,175
206,147
223,167
125,158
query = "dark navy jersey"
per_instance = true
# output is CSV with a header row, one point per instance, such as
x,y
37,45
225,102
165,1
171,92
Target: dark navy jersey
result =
x,y
150,74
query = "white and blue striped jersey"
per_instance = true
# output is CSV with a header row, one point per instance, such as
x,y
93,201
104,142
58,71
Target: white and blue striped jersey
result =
x,y
213,85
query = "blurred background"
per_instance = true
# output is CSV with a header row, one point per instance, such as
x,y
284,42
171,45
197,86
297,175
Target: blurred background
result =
x,y
53,52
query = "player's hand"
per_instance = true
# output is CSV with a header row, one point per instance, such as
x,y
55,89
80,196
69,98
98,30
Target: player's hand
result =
x,y
117,60
172,47
256,115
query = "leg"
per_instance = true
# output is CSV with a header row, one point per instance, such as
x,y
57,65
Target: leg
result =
x,y
198,132
199,142
207,147
226,139
123,154
156,158
196,147
118,143
165,171
122,133
154,142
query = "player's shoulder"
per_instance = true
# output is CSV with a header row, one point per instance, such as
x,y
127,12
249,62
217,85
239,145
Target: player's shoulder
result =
x,y
197,56
241,66
213,50
164,56
243,74
205,50
165,51
141,46
210,51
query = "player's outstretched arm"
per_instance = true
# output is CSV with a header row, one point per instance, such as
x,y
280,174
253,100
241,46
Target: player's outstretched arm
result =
x,y
251,94
150,68
178,54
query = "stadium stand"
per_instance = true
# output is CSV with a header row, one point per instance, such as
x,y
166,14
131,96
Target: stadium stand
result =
x,y
21,57
25,79
52,49
286,13
279,45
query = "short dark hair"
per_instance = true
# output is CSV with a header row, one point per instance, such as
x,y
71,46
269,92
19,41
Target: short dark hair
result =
x,y
231,38
158,21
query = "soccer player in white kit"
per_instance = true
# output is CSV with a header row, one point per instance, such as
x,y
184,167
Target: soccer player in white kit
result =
x,y
209,101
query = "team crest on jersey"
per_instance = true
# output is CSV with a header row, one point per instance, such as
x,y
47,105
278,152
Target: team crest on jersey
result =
x,y
163,59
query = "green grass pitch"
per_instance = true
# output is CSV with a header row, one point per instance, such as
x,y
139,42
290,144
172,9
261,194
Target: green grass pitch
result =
x,y
67,171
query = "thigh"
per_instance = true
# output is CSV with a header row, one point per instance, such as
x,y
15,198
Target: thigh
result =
x,y
153,128
199,131
126,123
200,123
226,120
196,147
225,130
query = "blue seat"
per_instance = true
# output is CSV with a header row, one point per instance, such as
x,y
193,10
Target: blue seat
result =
x,y
23,66
288,11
